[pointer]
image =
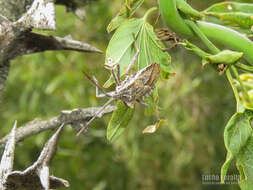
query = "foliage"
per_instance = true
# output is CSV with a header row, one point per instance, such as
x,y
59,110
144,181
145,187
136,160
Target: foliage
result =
x,y
238,132
193,106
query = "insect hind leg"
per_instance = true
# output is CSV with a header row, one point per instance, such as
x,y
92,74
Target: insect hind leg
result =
x,y
85,127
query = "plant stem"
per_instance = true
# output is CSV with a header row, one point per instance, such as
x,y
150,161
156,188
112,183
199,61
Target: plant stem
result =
x,y
230,79
244,91
244,67
148,12
202,36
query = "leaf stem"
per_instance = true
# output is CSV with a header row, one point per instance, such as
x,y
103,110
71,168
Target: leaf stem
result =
x,y
202,36
244,67
244,91
230,79
148,12
214,49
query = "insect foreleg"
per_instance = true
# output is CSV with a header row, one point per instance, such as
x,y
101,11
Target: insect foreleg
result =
x,y
134,58
115,78
94,81
99,95
118,72
95,115
97,92
142,102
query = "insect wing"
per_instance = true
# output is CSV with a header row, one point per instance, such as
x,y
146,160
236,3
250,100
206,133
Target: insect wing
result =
x,y
155,73
148,75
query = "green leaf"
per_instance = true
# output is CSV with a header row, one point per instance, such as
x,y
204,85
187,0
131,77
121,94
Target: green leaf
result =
x,y
152,103
237,132
121,47
119,120
232,13
225,166
183,6
227,57
126,11
243,20
239,144
229,6
245,163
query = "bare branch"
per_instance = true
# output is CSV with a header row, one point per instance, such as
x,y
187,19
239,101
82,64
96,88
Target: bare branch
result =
x,y
72,117
6,163
37,176
34,42
41,16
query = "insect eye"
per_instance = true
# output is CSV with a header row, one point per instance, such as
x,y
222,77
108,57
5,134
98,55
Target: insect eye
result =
x,y
109,60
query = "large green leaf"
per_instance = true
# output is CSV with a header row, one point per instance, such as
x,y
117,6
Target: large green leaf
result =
x,y
232,13
245,165
231,7
119,120
237,132
244,20
237,138
126,11
121,47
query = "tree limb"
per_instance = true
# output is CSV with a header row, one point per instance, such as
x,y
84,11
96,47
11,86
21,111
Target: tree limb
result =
x,y
6,163
74,117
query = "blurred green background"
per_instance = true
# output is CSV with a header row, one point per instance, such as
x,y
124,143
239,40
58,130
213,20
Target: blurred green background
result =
x,y
196,104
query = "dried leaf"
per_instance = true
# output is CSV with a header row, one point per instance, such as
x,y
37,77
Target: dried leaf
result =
x,y
153,128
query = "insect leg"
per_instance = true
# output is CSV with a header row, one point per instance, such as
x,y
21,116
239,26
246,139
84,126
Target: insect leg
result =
x,y
96,84
97,93
115,78
142,102
118,72
95,115
134,58
111,68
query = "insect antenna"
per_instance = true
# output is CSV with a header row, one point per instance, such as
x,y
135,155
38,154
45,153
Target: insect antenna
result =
x,y
94,116
95,83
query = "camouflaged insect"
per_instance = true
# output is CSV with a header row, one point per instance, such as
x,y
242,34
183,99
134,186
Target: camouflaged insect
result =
x,y
132,89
